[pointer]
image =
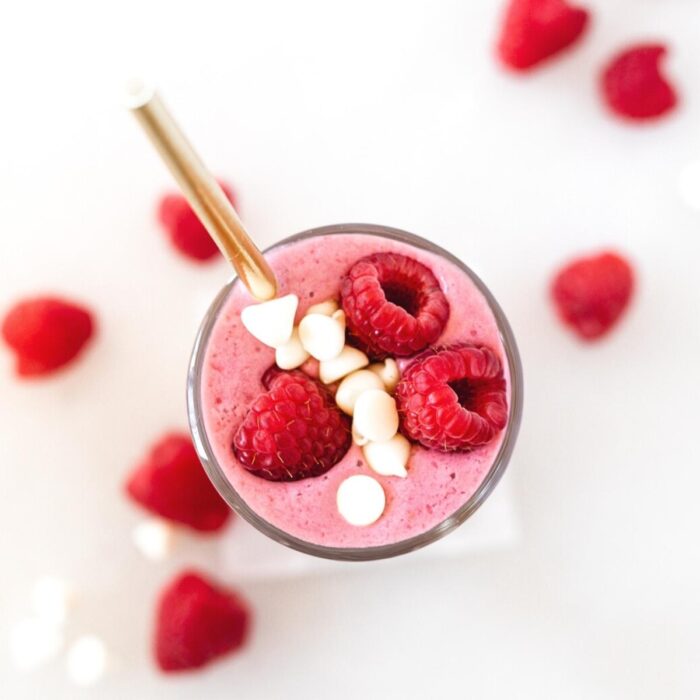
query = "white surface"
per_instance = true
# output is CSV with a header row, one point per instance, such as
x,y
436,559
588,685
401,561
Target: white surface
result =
x,y
322,112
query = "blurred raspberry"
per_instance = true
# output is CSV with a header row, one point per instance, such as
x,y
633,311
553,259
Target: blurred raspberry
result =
x,y
534,30
197,621
184,229
46,333
171,483
592,293
633,85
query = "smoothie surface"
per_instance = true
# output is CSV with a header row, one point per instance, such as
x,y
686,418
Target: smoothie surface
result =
x,y
438,484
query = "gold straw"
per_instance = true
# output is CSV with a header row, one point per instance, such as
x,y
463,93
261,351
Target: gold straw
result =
x,y
203,192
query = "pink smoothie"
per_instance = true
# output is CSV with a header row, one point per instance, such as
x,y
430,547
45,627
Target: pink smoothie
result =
x,y
437,485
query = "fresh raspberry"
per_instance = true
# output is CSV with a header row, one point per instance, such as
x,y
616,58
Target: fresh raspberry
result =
x,y
185,231
591,293
196,622
46,333
393,305
453,398
292,431
534,30
633,86
172,484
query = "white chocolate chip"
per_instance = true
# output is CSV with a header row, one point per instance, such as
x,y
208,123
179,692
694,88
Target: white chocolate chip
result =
x,y
86,662
325,308
292,354
361,500
271,322
388,372
388,458
375,416
52,598
349,360
323,337
357,438
153,538
353,385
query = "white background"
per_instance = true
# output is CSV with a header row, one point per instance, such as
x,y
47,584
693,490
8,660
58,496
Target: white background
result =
x,y
389,112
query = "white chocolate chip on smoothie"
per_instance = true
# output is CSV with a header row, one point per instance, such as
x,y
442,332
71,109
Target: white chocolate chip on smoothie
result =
x,y
271,322
325,308
375,416
388,372
361,500
357,438
292,354
323,337
388,458
353,385
349,360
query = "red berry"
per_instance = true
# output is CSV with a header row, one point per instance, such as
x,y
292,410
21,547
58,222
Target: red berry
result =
x,y
453,398
171,483
196,622
393,304
185,230
292,431
46,333
534,30
591,293
633,85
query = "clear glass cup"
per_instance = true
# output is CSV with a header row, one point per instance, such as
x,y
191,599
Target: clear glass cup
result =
x,y
235,501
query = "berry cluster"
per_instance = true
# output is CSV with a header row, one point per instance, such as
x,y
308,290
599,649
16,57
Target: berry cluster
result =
x,y
631,83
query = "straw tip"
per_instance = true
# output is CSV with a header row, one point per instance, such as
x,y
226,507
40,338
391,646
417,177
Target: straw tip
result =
x,y
137,93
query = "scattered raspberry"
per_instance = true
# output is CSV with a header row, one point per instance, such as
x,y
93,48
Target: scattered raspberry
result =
x,y
196,622
393,304
453,398
292,431
185,230
534,30
46,333
592,293
633,85
172,483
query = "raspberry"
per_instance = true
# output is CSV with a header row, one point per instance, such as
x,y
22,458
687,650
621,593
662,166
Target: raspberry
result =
x,y
46,333
633,86
591,293
453,398
393,304
185,230
534,30
172,484
196,622
292,431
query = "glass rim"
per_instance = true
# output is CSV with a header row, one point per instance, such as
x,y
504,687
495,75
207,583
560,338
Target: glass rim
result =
x,y
237,503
